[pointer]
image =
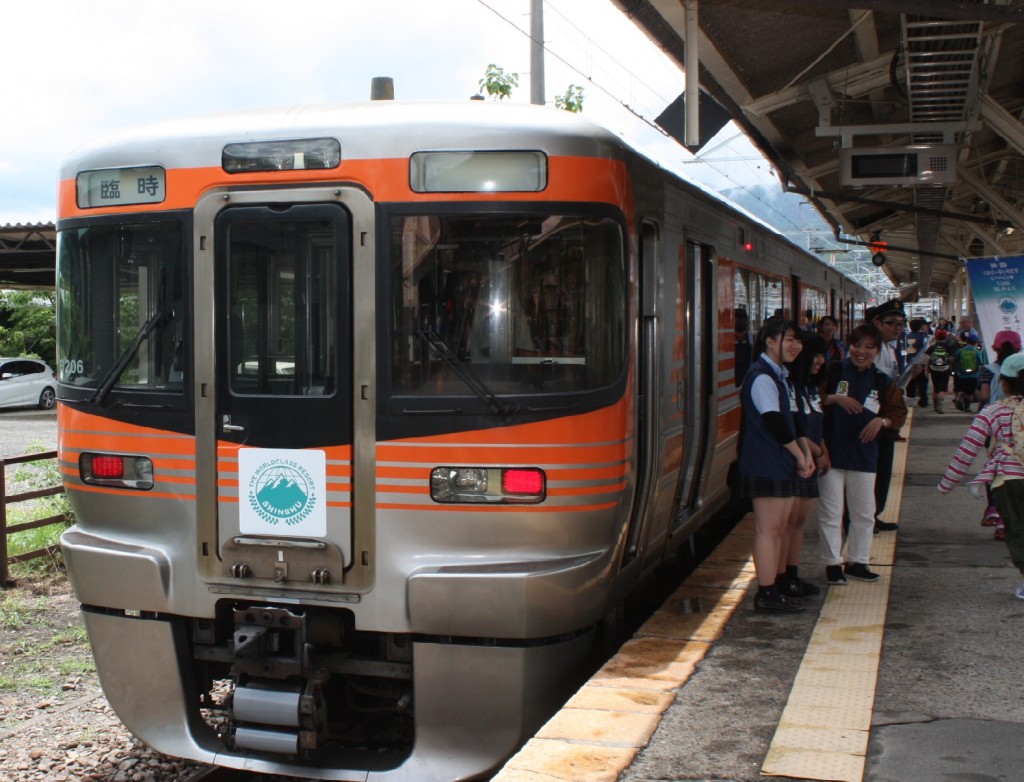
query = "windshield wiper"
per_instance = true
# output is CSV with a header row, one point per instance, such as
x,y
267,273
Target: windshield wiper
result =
x,y
465,374
114,374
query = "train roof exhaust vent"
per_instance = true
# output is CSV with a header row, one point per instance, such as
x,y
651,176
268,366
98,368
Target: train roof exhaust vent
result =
x,y
382,88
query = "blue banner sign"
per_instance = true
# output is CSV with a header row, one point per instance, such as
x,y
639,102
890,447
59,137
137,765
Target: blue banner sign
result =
x,y
997,285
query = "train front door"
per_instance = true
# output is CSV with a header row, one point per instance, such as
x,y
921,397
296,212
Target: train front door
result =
x,y
283,391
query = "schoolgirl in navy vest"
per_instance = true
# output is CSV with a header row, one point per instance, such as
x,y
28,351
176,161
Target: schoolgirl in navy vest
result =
x,y
771,459
806,375
860,402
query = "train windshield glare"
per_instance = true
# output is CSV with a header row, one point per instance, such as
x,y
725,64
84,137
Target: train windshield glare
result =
x,y
120,291
526,303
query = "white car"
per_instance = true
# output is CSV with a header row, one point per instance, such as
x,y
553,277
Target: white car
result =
x,y
27,381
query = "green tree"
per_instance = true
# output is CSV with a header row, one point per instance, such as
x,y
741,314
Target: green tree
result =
x,y
28,324
498,84
571,99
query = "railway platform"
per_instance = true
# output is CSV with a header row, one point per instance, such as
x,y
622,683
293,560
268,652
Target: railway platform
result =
x,y
913,678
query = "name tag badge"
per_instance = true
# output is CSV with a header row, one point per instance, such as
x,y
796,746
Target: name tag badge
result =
x,y
872,403
816,404
843,389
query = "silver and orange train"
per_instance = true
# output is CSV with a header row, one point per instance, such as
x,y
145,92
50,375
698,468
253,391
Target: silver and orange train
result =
x,y
372,415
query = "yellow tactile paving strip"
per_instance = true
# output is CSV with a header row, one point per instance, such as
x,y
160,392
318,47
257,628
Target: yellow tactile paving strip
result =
x,y
598,732
825,727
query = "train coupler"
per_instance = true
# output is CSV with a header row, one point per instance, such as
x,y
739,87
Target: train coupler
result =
x,y
278,717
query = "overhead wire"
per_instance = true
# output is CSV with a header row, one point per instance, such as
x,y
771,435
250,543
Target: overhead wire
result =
x,y
590,80
637,79
575,69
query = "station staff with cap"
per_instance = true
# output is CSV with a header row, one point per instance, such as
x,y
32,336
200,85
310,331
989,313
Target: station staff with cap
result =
x,y
891,320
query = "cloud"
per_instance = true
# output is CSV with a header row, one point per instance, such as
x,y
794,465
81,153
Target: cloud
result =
x,y
112,64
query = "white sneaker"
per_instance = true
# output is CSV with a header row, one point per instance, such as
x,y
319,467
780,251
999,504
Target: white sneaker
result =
x,y
1019,594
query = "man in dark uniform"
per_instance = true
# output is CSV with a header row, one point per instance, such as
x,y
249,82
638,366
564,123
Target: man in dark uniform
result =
x,y
891,320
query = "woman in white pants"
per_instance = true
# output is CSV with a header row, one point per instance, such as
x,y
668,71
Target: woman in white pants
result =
x,y
860,403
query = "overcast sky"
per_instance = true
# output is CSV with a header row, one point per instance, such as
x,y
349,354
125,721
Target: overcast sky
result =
x,y
75,70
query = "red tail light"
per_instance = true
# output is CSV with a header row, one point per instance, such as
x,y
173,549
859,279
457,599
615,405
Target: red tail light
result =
x,y
124,472
522,481
108,466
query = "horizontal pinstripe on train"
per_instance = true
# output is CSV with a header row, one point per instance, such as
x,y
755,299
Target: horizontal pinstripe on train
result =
x,y
581,476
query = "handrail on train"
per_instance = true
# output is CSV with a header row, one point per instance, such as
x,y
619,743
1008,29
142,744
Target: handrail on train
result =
x,y
5,500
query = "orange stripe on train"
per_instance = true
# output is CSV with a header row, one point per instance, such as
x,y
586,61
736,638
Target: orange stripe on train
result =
x,y
570,179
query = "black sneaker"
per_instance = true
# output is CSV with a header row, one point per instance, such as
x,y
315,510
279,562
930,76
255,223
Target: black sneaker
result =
x,y
796,587
834,575
860,571
885,526
775,603
807,589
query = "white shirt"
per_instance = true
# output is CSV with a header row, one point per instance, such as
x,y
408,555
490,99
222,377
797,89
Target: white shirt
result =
x,y
885,361
763,392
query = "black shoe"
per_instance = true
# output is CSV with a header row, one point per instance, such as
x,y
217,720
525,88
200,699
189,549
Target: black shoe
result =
x,y
860,571
885,526
807,589
834,575
775,603
796,587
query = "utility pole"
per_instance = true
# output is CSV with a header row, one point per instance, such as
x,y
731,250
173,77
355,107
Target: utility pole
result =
x,y
537,52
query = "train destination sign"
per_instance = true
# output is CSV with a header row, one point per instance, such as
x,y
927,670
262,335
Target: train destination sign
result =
x,y
121,186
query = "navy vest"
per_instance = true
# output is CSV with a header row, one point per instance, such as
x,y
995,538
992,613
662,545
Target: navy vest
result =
x,y
761,455
810,413
842,429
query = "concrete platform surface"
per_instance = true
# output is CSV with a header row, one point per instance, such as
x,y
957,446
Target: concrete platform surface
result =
x,y
916,678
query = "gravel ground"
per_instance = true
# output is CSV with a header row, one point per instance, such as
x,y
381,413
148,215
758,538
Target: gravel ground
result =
x,y
55,724
66,732
25,429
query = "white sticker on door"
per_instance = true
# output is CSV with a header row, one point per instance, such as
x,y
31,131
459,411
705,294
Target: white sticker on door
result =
x,y
282,492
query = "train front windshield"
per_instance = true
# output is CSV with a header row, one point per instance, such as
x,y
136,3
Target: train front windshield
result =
x,y
506,304
120,297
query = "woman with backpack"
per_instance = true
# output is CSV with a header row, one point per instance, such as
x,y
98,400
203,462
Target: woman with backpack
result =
x,y
990,391
940,366
966,363
1003,421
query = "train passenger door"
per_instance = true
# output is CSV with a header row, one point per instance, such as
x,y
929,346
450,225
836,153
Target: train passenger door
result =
x,y
647,391
701,344
282,335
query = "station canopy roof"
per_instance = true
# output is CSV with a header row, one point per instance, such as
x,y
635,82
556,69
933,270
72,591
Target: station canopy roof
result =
x,y
28,256
838,96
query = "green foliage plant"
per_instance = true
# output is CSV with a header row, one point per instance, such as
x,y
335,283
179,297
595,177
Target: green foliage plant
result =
x,y
571,99
498,84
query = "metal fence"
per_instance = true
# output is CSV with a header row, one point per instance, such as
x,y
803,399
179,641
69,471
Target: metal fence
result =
x,y
9,499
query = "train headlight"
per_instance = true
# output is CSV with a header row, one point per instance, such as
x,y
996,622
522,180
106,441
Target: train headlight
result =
x,y
284,155
488,485
121,471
